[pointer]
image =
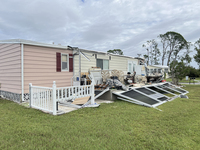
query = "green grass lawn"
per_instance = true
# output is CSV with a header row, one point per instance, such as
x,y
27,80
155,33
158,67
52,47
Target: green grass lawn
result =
x,y
119,125
184,80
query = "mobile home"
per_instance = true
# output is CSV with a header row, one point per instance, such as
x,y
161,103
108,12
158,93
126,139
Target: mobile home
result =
x,y
23,62
108,61
158,69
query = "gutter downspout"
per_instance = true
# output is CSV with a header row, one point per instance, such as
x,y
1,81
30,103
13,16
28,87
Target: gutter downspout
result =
x,y
22,71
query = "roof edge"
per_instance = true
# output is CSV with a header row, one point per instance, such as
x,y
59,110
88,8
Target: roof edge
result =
x,y
34,44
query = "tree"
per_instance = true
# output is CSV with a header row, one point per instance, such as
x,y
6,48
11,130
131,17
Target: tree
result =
x,y
165,45
153,53
197,48
116,51
193,72
176,43
179,67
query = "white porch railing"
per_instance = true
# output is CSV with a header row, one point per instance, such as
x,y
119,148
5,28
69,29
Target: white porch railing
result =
x,y
45,98
41,98
73,92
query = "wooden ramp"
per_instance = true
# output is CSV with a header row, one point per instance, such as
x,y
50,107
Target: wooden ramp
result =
x,y
81,100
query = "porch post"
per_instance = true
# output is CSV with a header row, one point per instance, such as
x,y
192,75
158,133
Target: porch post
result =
x,y
92,91
30,92
54,98
92,96
79,66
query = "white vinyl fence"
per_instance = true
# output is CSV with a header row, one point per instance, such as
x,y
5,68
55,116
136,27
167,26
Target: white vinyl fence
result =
x,y
45,98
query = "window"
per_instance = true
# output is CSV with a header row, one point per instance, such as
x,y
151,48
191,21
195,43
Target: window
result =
x,y
151,70
133,67
64,62
166,70
129,67
159,70
103,64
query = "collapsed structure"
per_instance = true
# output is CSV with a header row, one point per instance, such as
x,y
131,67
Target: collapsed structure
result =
x,y
81,76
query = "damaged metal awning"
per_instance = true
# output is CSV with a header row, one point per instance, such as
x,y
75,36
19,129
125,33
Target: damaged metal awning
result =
x,y
151,95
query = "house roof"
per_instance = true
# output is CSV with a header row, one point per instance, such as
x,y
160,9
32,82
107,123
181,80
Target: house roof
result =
x,y
28,42
98,52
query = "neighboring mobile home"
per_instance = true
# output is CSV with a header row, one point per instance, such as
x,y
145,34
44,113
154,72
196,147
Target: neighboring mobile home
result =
x,y
108,61
152,69
23,62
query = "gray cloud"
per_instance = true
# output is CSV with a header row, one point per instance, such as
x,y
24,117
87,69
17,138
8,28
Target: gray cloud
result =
x,y
99,24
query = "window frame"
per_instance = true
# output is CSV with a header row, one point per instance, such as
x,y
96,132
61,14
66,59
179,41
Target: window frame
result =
x,y
102,64
67,62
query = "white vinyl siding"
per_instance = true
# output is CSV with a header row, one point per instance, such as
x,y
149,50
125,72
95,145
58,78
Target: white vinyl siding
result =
x,y
114,62
118,63
85,64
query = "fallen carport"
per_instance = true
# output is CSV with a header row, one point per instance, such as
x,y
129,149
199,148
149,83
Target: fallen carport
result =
x,y
151,95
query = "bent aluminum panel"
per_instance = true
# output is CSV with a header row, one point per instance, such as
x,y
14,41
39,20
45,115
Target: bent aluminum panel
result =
x,y
178,89
132,100
167,92
153,94
158,90
98,93
174,87
145,91
169,89
163,98
159,104
138,96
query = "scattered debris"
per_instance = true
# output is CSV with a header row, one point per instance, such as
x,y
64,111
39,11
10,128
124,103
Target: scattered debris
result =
x,y
183,96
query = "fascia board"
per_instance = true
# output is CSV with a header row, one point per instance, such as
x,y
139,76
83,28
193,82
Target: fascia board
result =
x,y
35,44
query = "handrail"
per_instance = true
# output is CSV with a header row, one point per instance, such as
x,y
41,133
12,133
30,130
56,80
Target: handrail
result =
x,y
46,98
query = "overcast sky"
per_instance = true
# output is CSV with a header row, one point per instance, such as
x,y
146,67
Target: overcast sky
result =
x,y
99,24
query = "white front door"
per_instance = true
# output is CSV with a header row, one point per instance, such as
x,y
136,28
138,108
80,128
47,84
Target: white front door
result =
x,y
138,69
131,66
